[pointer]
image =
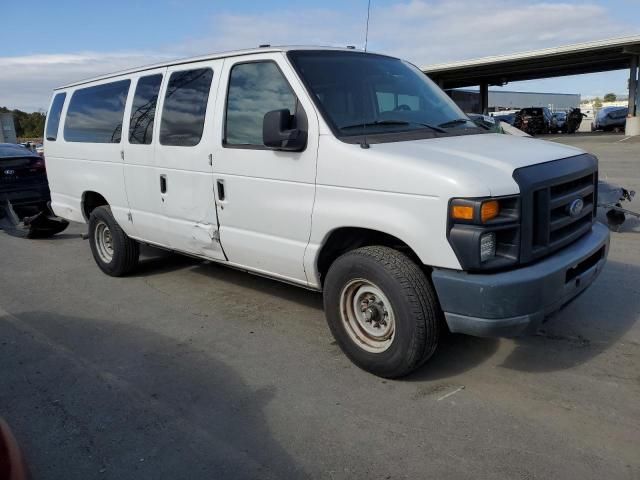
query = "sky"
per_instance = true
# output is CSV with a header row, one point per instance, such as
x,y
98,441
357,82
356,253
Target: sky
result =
x,y
60,42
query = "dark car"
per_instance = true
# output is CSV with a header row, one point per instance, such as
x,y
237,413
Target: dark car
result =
x,y
610,119
24,194
533,120
558,122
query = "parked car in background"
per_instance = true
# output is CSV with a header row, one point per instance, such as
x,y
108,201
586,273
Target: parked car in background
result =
x,y
610,119
533,120
509,118
558,122
24,194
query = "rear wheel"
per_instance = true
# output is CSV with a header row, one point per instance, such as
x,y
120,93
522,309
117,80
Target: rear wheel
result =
x,y
382,310
115,253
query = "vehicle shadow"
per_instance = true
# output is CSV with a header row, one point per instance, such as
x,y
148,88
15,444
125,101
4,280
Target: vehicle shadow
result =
x,y
455,354
291,293
59,237
585,328
582,330
97,399
154,261
573,336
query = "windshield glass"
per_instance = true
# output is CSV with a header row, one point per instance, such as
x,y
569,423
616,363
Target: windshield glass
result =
x,y
373,94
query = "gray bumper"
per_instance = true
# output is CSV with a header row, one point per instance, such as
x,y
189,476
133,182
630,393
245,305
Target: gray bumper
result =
x,y
516,302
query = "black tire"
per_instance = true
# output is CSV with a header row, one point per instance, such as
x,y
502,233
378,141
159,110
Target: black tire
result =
x,y
125,251
414,305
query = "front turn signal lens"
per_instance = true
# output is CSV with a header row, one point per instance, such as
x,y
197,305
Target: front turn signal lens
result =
x,y
462,212
489,210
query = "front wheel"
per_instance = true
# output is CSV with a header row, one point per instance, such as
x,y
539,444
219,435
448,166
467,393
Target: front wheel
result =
x,y
382,310
115,253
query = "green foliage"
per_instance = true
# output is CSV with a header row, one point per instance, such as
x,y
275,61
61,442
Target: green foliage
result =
x,y
610,97
28,125
597,102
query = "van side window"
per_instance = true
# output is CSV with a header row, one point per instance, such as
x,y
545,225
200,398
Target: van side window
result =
x,y
53,119
185,107
95,114
254,89
143,110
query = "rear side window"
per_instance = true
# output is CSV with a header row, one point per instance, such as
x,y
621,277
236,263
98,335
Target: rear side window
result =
x,y
254,89
143,110
53,119
95,113
185,107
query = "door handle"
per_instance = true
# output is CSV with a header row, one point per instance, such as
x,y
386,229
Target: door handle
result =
x,y
163,184
220,188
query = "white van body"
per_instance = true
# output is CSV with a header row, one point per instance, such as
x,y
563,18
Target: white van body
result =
x,y
275,212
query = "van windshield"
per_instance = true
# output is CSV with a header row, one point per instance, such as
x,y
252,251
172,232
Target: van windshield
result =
x,y
360,93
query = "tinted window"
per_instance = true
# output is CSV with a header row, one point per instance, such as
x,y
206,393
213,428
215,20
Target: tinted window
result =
x,y
53,119
143,110
95,114
373,94
254,89
185,106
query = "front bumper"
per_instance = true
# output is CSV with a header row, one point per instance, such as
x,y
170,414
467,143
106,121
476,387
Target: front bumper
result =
x,y
516,302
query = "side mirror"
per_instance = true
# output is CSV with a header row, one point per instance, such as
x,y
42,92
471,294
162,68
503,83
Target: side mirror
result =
x,y
280,132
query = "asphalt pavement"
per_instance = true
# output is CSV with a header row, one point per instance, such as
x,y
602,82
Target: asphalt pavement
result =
x,y
189,370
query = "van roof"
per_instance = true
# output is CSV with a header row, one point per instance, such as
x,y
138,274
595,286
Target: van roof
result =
x,y
211,56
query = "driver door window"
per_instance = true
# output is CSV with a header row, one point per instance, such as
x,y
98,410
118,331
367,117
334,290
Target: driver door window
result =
x,y
254,89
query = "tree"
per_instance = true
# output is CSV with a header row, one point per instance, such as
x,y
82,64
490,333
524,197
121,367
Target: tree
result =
x,y
28,125
597,102
610,97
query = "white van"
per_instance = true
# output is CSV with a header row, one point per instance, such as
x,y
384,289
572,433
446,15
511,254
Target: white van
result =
x,y
337,170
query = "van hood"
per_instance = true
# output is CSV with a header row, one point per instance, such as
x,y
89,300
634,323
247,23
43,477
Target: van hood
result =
x,y
468,165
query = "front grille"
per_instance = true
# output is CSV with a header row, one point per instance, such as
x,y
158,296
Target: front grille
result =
x,y
547,192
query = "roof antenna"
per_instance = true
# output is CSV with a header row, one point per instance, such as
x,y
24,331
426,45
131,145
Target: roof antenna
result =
x,y
364,143
366,32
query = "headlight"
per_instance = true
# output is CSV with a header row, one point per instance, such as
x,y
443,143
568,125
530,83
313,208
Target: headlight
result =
x,y
485,232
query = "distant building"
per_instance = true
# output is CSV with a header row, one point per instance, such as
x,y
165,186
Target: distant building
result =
x,y
469,100
7,128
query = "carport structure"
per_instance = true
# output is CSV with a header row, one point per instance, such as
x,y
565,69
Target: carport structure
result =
x,y
591,57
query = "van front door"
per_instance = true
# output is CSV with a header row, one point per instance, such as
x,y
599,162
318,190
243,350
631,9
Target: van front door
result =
x,y
264,197
184,182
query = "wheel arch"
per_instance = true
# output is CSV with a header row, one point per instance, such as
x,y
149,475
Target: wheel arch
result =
x,y
344,239
90,201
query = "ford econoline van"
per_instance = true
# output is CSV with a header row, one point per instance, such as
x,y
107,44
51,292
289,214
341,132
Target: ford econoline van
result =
x,y
341,171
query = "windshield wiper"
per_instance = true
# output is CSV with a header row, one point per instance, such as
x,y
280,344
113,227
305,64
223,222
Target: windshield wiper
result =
x,y
392,122
457,121
460,121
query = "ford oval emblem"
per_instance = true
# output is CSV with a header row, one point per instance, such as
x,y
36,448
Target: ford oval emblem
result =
x,y
575,208
9,172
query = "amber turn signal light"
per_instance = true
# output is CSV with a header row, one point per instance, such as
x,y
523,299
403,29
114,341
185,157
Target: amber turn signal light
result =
x,y
489,210
462,212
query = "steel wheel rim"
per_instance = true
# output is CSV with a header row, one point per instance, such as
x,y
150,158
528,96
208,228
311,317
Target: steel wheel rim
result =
x,y
367,315
104,242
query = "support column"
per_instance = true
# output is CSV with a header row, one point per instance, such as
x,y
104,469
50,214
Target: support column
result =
x,y
633,121
633,85
484,98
